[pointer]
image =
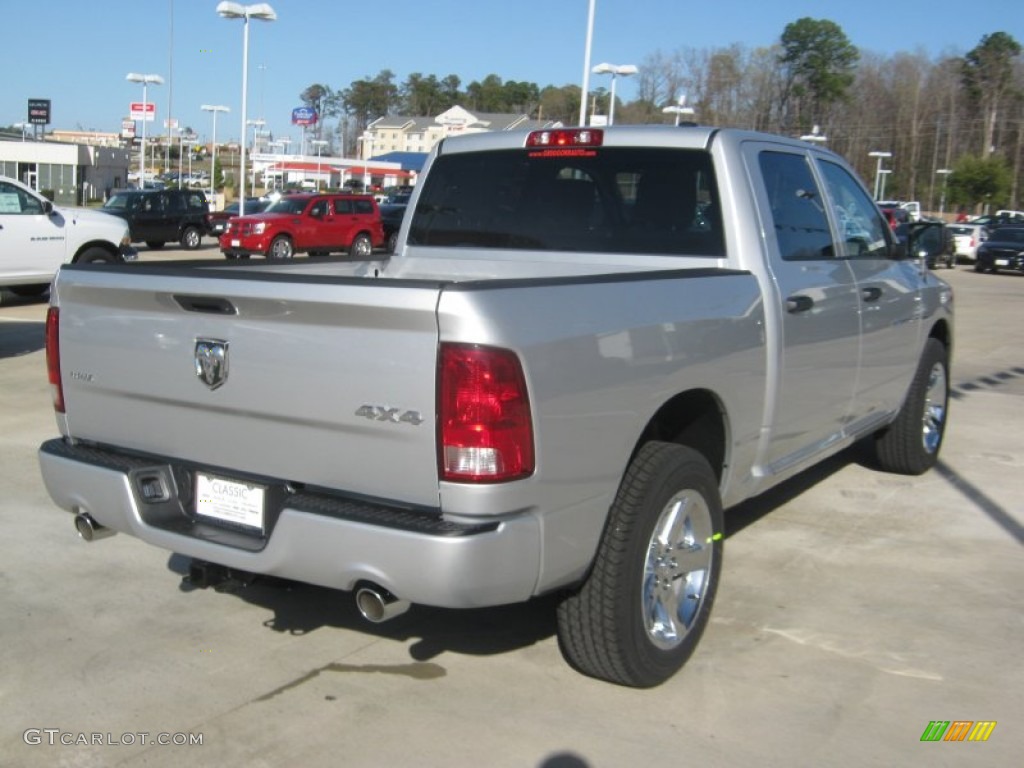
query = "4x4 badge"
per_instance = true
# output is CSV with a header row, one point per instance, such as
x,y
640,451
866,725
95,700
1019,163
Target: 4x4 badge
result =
x,y
212,361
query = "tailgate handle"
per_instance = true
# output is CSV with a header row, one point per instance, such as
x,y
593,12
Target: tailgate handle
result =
x,y
210,305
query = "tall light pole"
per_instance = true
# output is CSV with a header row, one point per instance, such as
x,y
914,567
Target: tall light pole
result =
x,y
134,77
679,108
944,172
215,108
319,144
615,70
24,128
231,10
878,170
584,94
257,127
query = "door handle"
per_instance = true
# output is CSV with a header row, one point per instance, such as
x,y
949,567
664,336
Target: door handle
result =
x,y
796,304
872,293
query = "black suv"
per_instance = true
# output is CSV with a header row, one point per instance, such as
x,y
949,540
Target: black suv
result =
x,y
158,216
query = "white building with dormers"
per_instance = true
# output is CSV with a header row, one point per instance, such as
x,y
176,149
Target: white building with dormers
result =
x,y
398,133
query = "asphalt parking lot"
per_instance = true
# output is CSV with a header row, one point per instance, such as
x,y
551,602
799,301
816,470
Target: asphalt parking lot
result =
x,y
855,609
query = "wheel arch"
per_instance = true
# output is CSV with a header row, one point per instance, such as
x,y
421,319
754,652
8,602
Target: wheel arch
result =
x,y
110,248
696,418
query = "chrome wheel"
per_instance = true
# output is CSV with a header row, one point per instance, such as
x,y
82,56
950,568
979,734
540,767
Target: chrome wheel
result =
x,y
934,408
361,248
281,248
677,571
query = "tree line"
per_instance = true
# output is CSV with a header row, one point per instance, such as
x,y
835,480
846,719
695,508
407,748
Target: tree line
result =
x,y
961,114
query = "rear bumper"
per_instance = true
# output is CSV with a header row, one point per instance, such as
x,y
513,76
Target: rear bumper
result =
x,y
315,538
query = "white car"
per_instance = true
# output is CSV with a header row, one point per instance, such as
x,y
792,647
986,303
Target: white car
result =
x,y
966,239
36,237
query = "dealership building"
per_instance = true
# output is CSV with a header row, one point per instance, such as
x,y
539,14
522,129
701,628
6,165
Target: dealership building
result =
x,y
68,172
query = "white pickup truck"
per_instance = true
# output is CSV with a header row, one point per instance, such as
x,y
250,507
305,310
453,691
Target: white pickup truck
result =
x,y
36,237
587,345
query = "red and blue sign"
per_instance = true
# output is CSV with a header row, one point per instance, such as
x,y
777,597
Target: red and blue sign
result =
x,y
304,116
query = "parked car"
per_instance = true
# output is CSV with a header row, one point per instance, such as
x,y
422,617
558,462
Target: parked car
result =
x,y
156,217
966,239
217,221
37,237
315,224
898,218
1000,219
1004,249
391,215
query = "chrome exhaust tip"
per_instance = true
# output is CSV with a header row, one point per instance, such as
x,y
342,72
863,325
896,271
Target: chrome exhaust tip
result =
x,y
377,605
89,530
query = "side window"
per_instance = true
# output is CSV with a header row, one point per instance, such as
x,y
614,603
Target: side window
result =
x,y
798,209
319,209
14,200
364,207
174,203
861,226
343,205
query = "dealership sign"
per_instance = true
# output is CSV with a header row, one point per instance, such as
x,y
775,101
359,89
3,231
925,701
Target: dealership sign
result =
x,y
143,111
304,116
39,111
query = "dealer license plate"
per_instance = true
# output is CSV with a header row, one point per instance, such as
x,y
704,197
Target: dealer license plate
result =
x,y
1002,262
236,243
230,501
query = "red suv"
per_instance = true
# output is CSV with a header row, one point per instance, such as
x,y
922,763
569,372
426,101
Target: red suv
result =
x,y
315,224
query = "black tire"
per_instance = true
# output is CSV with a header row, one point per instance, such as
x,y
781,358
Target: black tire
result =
x,y
362,247
191,238
392,242
155,244
96,256
911,444
641,612
281,248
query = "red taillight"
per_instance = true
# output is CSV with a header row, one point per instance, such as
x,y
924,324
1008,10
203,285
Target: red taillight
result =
x,y
485,431
53,357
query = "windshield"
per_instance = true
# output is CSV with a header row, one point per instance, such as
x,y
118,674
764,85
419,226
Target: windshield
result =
x,y
611,200
287,205
120,202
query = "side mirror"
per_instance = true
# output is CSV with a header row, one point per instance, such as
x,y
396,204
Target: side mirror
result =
x,y
47,207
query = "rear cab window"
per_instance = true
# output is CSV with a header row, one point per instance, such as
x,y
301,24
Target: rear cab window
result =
x,y
606,200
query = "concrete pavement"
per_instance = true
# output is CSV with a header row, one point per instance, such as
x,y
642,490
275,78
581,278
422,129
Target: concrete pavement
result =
x,y
855,608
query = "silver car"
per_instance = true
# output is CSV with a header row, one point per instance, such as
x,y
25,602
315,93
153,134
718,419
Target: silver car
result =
x,y
966,239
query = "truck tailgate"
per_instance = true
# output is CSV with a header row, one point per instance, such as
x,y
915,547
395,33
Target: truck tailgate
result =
x,y
330,382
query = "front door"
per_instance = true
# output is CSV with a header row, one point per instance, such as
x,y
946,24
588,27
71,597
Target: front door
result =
x,y
816,355
32,242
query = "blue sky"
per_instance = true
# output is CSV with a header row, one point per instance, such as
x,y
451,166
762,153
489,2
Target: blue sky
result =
x,y
77,54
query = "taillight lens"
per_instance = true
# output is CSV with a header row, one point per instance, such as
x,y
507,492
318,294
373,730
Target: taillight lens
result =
x,y
485,431
53,357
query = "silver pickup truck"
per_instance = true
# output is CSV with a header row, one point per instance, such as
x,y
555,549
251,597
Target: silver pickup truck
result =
x,y
587,345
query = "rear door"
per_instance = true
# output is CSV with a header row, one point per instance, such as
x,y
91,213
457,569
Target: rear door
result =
x,y
889,295
326,381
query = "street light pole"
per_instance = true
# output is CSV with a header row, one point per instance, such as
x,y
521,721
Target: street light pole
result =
x,y
944,172
878,169
257,129
614,70
215,108
134,77
319,144
232,10
679,108
586,65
